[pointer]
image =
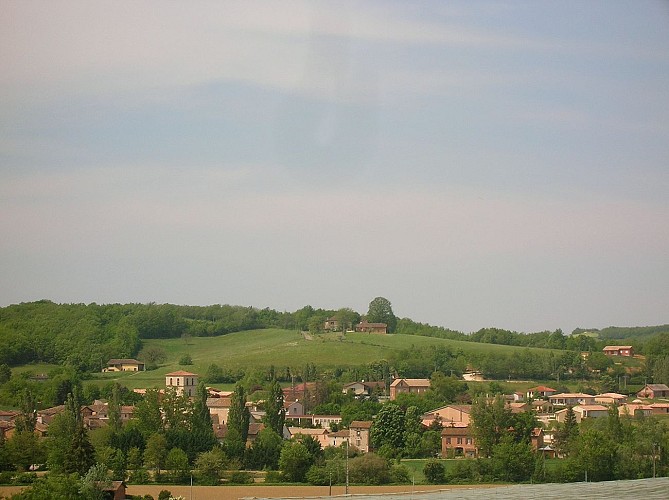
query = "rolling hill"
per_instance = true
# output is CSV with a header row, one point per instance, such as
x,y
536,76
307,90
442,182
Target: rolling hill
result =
x,y
263,348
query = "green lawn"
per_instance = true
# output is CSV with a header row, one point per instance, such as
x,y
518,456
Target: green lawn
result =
x,y
416,466
281,348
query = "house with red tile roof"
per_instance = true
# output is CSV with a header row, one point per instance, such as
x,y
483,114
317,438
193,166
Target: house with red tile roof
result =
x,y
541,391
619,350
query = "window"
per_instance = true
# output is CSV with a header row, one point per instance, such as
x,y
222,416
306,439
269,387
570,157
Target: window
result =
x,y
448,440
469,440
459,440
171,383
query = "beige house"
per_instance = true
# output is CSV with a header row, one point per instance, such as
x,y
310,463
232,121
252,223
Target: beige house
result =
x,y
184,382
583,411
409,386
540,391
364,388
320,435
219,409
448,415
325,421
338,438
124,365
358,433
610,398
571,399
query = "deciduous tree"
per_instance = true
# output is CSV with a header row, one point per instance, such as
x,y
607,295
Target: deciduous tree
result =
x,y
381,311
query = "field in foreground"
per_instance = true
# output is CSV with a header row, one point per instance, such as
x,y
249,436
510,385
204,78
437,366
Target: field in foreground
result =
x,y
648,489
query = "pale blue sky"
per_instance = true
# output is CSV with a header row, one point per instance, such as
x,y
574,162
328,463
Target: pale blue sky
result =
x,y
477,163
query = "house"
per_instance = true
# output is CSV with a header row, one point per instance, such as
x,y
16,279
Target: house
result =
x,y
473,376
326,421
220,431
217,393
635,409
659,408
8,415
366,327
331,325
184,382
364,388
541,406
610,398
338,438
114,490
409,386
652,391
358,433
47,415
517,407
583,411
301,391
127,412
293,409
457,441
124,365
537,438
448,415
518,396
219,409
7,428
254,430
540,391
320,435
619,350
571,399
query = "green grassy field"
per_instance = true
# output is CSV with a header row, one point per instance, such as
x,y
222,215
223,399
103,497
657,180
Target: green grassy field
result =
x,y
281,348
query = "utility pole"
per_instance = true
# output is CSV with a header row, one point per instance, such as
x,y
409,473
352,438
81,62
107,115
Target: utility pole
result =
x,y
347,466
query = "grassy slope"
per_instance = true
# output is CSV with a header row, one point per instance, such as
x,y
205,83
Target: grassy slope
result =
x,y
281,348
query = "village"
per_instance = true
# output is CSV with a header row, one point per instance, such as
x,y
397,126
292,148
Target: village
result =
x,y
546,404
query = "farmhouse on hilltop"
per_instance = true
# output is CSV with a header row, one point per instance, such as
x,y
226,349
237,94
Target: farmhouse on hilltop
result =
x,y
124,365
366,327
619,350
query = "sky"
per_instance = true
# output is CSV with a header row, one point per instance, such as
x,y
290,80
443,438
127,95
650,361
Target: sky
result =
x,y
479,164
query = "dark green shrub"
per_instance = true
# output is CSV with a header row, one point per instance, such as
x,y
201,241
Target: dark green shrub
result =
x,y
241,477
164,495
434,471
399,474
